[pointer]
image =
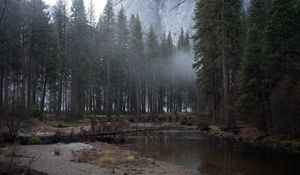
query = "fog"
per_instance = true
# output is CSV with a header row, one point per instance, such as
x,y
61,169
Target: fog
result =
x,y
179,67
182,63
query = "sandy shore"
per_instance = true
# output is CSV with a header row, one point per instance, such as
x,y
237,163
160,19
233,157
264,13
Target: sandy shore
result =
x,y
92,159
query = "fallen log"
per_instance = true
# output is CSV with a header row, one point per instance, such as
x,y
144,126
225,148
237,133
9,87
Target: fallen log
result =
x,y
83,136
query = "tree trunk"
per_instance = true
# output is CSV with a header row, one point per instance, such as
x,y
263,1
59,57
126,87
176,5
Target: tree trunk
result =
x,y
1,89
138,112
74,96
214,98
29,90
228,120
60,94
44,93
108,88
6,86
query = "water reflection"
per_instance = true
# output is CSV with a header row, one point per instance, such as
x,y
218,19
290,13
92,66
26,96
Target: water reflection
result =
x,y
212,156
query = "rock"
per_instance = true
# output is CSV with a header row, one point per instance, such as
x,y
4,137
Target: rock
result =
x,y
164,15
57,152
260,138
78,146
204,126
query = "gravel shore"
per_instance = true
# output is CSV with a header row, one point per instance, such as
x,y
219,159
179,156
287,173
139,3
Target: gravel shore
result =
x,y
92,159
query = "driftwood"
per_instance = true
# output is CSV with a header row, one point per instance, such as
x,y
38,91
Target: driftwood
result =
x,y
102,129
87,136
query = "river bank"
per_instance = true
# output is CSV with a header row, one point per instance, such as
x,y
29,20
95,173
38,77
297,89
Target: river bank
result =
x,y
80,159
144,156
248,134
178,149
212,155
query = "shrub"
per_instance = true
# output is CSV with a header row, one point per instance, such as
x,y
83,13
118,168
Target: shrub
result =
x,y
132,120
285,102
34,141
130,159
37,114
183,122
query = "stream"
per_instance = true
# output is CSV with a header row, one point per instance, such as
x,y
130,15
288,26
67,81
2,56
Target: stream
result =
x,y
213,156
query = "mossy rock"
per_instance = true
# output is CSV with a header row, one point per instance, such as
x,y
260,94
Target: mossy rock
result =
x,y
34,141
272,139
296,144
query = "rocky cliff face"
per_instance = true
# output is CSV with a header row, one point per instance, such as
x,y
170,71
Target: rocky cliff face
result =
x,y
164,15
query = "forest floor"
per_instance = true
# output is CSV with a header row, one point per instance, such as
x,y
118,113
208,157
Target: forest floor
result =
x,y
81,159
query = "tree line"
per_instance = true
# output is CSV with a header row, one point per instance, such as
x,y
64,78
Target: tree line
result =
x,y
68,64
248,62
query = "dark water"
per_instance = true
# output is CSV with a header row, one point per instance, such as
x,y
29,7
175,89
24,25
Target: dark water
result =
x,y
213,156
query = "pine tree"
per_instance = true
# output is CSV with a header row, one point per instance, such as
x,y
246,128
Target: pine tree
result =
x,y
11,58
93,59
183,43
40,35
252,97
152,56
170,49
230,41
281,65
136,49
163,46
170,45
279,46
207,53
60,22
122,47
181,40
107,28
223,19
79,61
187,42
51,72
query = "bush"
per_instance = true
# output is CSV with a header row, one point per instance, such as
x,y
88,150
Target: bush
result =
x,y
34,141
37,114
203,126
190,123
285,102
184,122
131,120
13,119
162,119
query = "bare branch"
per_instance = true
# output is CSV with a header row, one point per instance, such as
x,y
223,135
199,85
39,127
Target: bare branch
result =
x,y
177,5
3,11
118,2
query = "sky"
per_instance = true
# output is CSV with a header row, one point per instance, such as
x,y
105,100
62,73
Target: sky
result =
x,y
98,5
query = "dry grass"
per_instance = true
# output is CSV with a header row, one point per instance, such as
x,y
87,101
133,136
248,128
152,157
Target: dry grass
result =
x,y
130,159
123,161
8,161
104,158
